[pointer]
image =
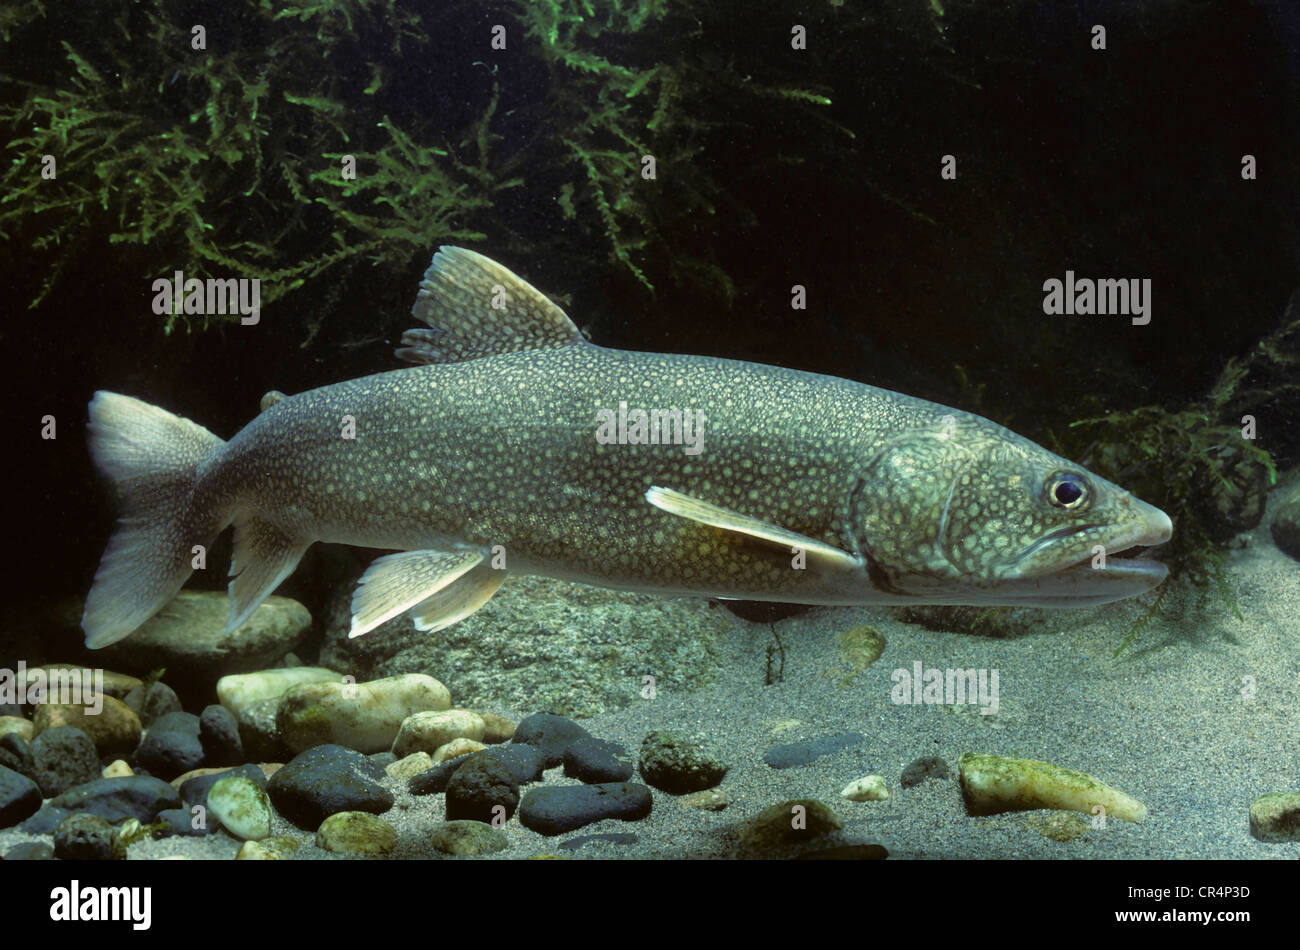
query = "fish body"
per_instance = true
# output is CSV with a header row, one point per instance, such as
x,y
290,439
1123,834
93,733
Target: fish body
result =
x,y
517,446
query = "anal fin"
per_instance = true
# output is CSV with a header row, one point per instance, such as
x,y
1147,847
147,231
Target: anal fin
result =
x,y
425,580
264,556
458,599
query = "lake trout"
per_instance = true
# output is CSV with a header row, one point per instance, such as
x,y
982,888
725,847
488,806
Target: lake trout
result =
x,y
513,445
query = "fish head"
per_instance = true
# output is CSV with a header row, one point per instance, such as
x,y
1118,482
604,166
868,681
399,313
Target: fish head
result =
x,y
967,512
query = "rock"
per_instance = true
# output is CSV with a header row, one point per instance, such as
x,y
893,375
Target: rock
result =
x,y
254,700
427,731
62,758
186,822
788,823
16,754
115,729
793,754
408,768
870,788
595,760
434,781
467,838
482,789
1275,817
524,761
194,790
455,749
19,797
554,810
326,780
366,717
188,638
241,806
495,728
107,682
383,759
550,735
113,799
678,763
219,736
922,769
17,725
116,769
860,647
356,832
31,851
1285,527
991,784
84,838
153,702
271,849
711,799
171,746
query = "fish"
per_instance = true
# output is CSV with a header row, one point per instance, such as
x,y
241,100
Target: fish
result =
x,y
513,445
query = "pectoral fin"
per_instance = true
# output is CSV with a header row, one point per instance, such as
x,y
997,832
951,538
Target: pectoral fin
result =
x,y
703,512
443,586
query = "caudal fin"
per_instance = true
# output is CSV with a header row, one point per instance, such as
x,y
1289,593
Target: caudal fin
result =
x,y
152,459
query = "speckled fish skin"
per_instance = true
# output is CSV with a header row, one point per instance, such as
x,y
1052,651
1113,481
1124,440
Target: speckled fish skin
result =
x,y
808,488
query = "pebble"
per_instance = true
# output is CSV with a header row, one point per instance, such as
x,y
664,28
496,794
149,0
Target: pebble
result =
x,y
482,789
171,746
116,769
793,754
326,780
554,810
524,761
219,736
16,754
30,851
17,725
238,692
186,822
455,749
551,735
241,806
153,702
495,728
922,769
870,788
194,790
678,763
788,823
1275,817
594,761
991,784
84,838
434,781
115,730
428,731
467,838
20,798
270,849
113,684
62,758
711,799
113,799
366,717
356,832
409,767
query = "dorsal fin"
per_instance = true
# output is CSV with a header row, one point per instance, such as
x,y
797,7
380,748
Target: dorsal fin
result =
x,y
479,308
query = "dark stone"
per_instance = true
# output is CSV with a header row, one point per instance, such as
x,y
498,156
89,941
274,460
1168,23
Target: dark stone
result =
x,y
63,758
524,761
113,799
180,821
16,754
550,735
30,851
480,788
382,759
194,791
325,780
596,760
153,703
553,810
613,837
219,736
84,837
793,754
679,763
11,709
922,769
19,797
171,747
433,781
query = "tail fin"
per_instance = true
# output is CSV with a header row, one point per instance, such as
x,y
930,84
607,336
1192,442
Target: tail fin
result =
x,y
152,458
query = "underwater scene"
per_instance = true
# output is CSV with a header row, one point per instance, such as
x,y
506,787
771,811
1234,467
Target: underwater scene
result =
x,y
651,429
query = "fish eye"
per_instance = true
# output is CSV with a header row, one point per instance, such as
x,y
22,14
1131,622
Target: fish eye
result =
x,y
1067,490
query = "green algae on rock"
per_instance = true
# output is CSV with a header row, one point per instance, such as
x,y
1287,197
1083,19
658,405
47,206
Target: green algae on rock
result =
x,y
1275,817
991,784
